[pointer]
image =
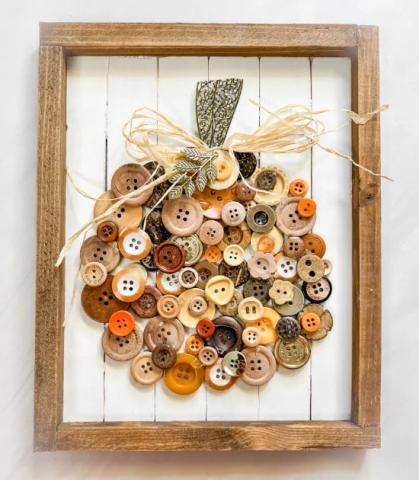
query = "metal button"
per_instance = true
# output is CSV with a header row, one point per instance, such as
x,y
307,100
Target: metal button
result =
x,y
260,218
292,354
288,328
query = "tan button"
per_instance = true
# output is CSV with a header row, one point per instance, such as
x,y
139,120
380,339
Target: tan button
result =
x,y
128,285
266,326
93,274
290,222
211,232
217,378
125,216
146,305
197,305
128,178
234,363
231,308
208,356
168,306
233,214
310,268
158,330
251,336
262,265
194,344
168,283
236,236
219,289
144,371
260,365
192,246
134,243
260,218
250,309
278,192
268,242
122,348
314,244
188,277
233,255
107,231
243,192
326,321
292,307
194,307
227,171
286,267
94,250
182,216
294,247
281,291
292,354
205,270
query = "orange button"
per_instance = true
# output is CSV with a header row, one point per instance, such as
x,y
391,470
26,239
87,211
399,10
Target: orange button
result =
x,y
205,328
306,207
194,344
121,323
185,376
213,254
298,188
266,244
310,322
315,244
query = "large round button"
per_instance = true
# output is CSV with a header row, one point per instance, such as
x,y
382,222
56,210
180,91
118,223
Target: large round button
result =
x,y
168,283
262,265
169,257
281,292
231,308
315,244
238,274
205,270
128,284
217,378
159,330
290,222
182,216
257,288
122,348
134,243
125,216
276,182
227,335
144,370
250,309
146,305
93,274
194,307
121,323
292,354
192,246
219,289
211,232
129,178
318,292
94,250
260,365
208,356
260,218
310,268
288,328
268,242
164,356
294,247
107,231
186,375
188,277
326,321
247,163
286,267
233,255
168,306
234,363
227,171
291,307
233,214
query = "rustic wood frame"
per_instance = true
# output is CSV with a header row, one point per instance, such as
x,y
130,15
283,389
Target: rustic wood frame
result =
x,y
59,40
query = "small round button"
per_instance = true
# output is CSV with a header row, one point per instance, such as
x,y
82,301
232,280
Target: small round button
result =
x,y
319,291
213,254
262,265
298,188
217,378
205,271
288,328
251,336
168,283
247,163
211,232
127,179
326,321
185,376
208,356
164,356
289,220
260,218
205,328
158,330
260,365
122,348
168,306
281,291
315,244
310,322
233,214
286,267
292,354
144,370
294,247
234,363
198,305
128,285
306,207
243,192
250,309
233,255
94,250
134,243
231,308
219,289
182,216
310,268
107,231
192,246
194,307
121,323
292,307
169,257
194,344
125,216
227,335
188,277
93,274
146,305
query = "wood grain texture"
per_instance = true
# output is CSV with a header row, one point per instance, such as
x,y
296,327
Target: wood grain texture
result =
x,y
51,226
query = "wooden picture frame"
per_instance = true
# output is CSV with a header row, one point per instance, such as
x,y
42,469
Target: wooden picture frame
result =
x,y
60,40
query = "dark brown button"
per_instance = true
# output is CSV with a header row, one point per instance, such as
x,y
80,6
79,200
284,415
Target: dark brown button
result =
x,y
155,228
294,247
122,348
247,163
128,178
164,356
288,328
94,250
244,193
205,270
260,218
257,288
238,274
148,262
160,189
100,302
319,291
107,231
227,335
146,305
266,180
169,257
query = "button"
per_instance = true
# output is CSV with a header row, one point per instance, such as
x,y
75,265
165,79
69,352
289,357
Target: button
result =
x,y
128,178
205,270
234,363
257,288
192,246
227,171
266,326
125,216
211,232
298,188
236,236
205,328
294,247
281,292
266,180
260,218
219,289
121,323
186,375
159,190
188,277
93,274
223,166
212,201
233,214
292,307
227,335
107,231
231,308
122,348
251,336
194,307
169,257
168,283
310,268
233,255
277,182
326,321
247,163
182,216
328,266
217,378
213,254
310,322
238,275
194,344
208,356
128,285
134,243
155,228
292,354
144,371
100,303
260,365
148,262
250,309
243,192
94,250
286,267
158,330
268,242
290,222
288,328
319,291
146,305
306,207
164,356
168,306
262,265
314,244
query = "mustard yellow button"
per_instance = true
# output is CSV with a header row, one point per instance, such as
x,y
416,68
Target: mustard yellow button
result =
x,y
185,376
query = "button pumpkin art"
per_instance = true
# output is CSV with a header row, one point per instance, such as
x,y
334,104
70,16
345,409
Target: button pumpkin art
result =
x,y
215,275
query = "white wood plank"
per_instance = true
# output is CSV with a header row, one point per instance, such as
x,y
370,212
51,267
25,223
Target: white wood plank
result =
x,y
83,357
176,99
331,358
285,81
241,402
132,84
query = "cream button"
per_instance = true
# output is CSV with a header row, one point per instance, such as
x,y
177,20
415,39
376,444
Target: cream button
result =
x,y
251,336
219,289
250,309
233,255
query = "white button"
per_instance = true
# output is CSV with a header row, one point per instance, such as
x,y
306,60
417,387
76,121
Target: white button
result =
x,y
134,244
286,267
233,255
219,376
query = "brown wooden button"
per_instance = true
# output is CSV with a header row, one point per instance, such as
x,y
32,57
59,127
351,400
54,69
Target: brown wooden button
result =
x,y
188,277
129,178
227,335
125,216
93,274
257,288
326,321
262,265
260,218
155,228
318,291
233,214
260,365
100,303
290,222
315,244
107,231
159,330
128,284
122,348
292,354
164,356
192,246
144,370
182,216
231,308
310,268
211,232
94,250
294,247
205,270
208,356
288,328
239,235
146,305
134,243
244,193
238,274
168,306
247,163
169,257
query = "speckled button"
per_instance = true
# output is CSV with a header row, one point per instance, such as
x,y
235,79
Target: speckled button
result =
x,y
168,306
231,308
155,228
94,250
146,305
268,242
227,335
205,271
107,231
294,247
234,363
290,222
243,192
292,307
250,309
219,289
194,307
233,255
326,321
192,246
260,218
292,354
164,356
125,216
227,171
217,378
236,236
247,163
286,267
128,178
188,277
208,356
122,348
262,265
257,288
238,274
158,330
134,243
277,182
182,216
185,376
93,274
310,268
319,291
315,244
128,284
169,257
211,232
266,326
288,328
148,262
281,291
251,336
144,370
260,365
168,283
233,214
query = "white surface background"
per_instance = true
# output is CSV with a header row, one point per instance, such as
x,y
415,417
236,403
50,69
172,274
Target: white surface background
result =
x,y
400,390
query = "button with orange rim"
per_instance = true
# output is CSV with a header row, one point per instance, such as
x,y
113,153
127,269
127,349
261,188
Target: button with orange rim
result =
x,y
213,254
168,306
128,284
306,207
217,378
243,192
298,188
205,328
194,344
134,243
127,179
186,375
314,244
310,322
168,283
121,323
